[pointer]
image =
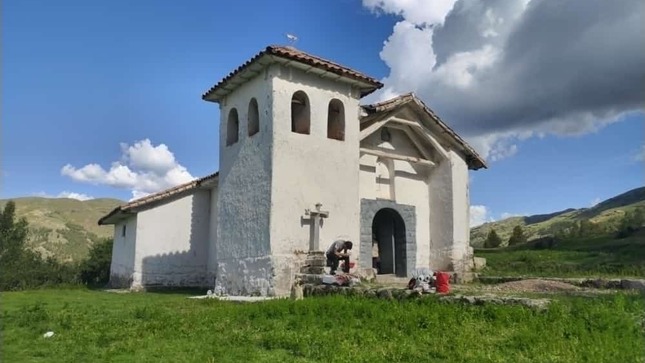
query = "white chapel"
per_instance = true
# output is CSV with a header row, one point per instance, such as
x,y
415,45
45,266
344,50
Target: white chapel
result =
x,y
302,164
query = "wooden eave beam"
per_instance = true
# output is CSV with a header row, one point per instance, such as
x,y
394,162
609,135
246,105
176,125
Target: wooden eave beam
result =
x,y
434,142
414,138
410,159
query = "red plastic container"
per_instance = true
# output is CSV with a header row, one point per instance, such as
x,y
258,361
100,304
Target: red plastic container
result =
x,y
442,282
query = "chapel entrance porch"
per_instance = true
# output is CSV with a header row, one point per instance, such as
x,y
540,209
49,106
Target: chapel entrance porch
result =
x,y
389,244
394,226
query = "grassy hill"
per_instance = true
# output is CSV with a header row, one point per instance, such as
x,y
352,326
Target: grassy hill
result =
x,y
605,215
64,228
599,256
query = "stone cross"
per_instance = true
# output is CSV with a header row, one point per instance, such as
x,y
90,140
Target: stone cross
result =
x,y
315,216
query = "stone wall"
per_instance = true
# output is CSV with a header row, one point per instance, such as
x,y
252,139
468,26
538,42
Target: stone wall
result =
x,y
369,208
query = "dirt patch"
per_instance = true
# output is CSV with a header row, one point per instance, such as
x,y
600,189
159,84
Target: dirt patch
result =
x,y
535,285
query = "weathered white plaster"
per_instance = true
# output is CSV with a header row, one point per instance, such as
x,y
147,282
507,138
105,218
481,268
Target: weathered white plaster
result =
x,y
310,169
462,253
172,242
441,215
123,251
242,252
211,268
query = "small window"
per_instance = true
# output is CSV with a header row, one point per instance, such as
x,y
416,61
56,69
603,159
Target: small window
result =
x,y
123,231
336,120
232,128
300,118
385,134
254,117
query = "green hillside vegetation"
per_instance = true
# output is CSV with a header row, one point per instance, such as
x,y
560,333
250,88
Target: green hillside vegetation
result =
x,y
601,256
24,268
63,228
603,218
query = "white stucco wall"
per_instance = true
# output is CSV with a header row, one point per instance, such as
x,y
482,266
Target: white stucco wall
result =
x,y
461,250
211,267
172,242
441,215
310,169
123,251
449,216
243,262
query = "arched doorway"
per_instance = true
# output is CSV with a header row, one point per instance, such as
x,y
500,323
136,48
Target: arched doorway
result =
x,y
388,232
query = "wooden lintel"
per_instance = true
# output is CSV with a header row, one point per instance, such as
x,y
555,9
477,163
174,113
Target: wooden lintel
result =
x,y
410,159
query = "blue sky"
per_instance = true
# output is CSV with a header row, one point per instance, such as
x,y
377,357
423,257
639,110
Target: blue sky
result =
x,y
79,79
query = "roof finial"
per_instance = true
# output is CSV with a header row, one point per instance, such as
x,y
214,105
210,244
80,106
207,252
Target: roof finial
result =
x,y
292,39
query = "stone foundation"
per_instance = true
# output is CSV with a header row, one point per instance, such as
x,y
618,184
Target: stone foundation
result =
x,y
405,294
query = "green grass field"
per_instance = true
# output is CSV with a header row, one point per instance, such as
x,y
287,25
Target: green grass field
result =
x,y
96,326
588,257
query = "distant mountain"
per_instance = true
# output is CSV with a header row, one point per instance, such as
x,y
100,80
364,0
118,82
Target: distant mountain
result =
x,y
64,228
606,215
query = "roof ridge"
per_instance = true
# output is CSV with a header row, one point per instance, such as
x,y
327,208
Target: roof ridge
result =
x,y
403,99
161,195
369,84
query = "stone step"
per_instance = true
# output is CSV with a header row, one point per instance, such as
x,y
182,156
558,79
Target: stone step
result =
x,y
316,270
307,278
392,279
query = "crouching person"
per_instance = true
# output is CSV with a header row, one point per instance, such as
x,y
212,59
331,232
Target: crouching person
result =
x,y
338,251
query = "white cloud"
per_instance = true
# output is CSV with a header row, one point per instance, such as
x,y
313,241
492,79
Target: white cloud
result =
x,y
509,215
72,195
143,169
418,12
503,71
640,155
595,202
66,194
479,214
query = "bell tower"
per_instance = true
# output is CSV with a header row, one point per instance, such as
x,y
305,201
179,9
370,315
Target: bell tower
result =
x,y
289,139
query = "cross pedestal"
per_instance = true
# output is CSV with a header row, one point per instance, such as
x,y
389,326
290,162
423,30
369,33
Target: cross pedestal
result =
x,y
315,218
316,259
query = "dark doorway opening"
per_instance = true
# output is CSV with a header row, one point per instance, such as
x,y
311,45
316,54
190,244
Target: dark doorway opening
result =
x,y
388,231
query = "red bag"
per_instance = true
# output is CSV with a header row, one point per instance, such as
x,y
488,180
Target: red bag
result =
x,y
442,281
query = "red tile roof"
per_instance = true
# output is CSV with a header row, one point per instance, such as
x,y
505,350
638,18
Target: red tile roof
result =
x,y
161,196
473,159
273,54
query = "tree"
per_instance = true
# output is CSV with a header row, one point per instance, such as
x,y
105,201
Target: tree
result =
x,y
492,240
13,235
517,237
631,221
96,268
21,267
